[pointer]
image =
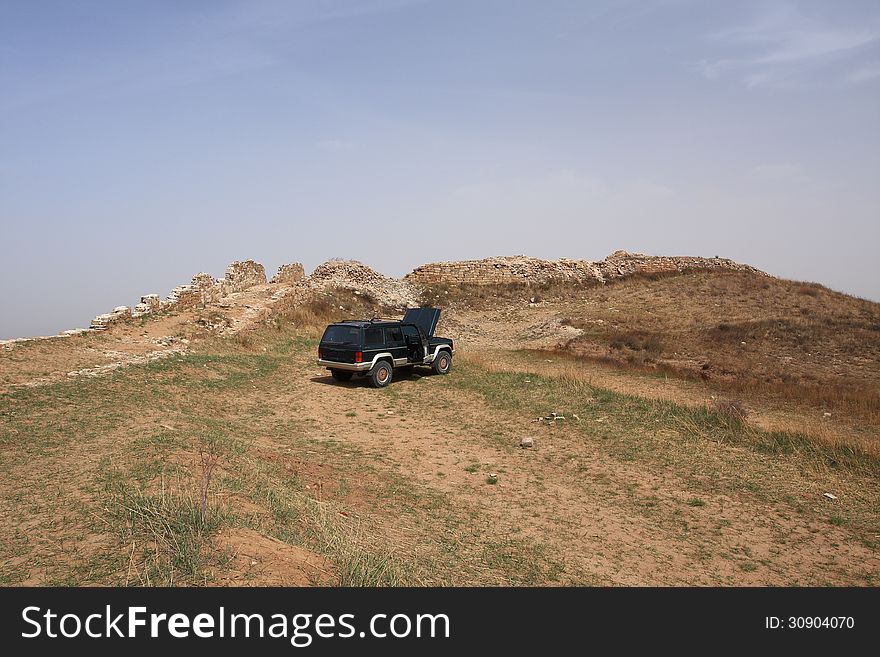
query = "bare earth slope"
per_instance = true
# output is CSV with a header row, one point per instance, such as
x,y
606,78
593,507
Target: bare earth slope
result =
x,y
647,480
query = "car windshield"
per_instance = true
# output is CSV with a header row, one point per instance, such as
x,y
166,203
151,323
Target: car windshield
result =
x,y
338,334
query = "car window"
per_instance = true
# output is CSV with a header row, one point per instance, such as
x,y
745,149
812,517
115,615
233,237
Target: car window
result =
x,y
338,334
410,331
394,335
373,337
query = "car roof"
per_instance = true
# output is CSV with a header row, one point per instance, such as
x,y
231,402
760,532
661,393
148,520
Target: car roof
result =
x,y
367,322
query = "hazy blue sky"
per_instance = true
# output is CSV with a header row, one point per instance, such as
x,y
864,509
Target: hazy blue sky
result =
x,y
143,141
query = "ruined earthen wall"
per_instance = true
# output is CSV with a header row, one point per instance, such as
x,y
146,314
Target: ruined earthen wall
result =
x,y
523,269
245,274
290,273
209,288
506,269
241,275
204,288
357,276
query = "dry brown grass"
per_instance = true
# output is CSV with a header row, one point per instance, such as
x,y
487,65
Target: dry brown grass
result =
x,y
471,294
733,409
311,315
743,333
577,378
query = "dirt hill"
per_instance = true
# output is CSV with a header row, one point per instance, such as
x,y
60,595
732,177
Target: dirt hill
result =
x,y
708,409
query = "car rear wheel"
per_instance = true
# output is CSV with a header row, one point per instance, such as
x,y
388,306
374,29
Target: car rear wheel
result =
x,y
442,363
381,374
341,375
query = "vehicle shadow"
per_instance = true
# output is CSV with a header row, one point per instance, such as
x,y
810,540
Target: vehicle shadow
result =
x,y
364,381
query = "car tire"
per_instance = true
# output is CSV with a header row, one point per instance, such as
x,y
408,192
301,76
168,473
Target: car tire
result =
x,y
442,363
341,375
381,374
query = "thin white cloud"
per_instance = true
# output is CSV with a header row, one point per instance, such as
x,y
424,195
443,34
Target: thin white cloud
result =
x,y
775,172
565,195
864,73
335,145
783,43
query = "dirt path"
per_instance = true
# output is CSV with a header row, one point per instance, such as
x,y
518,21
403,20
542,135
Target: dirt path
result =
x,y
607,521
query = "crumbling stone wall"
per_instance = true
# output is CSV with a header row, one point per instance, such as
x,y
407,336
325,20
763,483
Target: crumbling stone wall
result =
x,y
119,314
505,269
354,275
182,297
290,273
209,287
241,275
621,264
345,272
149,304
522,269
245,274
204,289
101,322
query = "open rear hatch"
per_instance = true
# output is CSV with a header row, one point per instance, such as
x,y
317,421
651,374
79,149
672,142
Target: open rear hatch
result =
x,y
425,318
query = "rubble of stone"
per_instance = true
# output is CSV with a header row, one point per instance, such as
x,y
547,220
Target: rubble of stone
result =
x,y
182,297
124,359
290,273
621,264
102,322
203,289
209,288
524,269
149,304
8,344
354,275
240,276
505,269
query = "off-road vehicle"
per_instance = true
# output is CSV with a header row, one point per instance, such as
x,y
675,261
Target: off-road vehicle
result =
x,y
376,347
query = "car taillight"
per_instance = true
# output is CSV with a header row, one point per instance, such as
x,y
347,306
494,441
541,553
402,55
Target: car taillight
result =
x,y
358,357
320,353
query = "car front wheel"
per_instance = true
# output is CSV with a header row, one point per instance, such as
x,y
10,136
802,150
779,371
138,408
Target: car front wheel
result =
x,y
442,363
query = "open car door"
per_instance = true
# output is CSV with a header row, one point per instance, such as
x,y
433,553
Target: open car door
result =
x,y
425,318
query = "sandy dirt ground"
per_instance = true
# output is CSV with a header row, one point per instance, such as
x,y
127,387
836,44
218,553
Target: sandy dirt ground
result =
x,y
604,520
611,522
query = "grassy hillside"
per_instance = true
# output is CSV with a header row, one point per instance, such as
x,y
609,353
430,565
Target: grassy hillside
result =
x,y
785,355
241,462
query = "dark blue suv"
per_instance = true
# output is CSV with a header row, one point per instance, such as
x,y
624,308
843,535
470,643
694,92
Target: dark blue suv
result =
x,y
375,347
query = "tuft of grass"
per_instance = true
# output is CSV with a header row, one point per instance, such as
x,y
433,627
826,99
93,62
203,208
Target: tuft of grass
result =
x,y
637,341
167,533
696,501
731,409
838,520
